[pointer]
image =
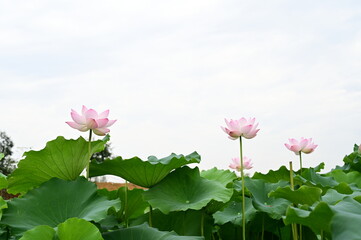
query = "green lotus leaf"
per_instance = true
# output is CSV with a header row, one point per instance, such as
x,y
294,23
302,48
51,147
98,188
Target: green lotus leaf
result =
x,y
1,156
310,177
184,223
318,218
3,205
42,232
346,222
233,212
303,195
222,176
144,232
142,173
353,160
135,205
61,158
54,202
340,176
274,176
3,181
78,229
185,189
332,196
73,228
259,188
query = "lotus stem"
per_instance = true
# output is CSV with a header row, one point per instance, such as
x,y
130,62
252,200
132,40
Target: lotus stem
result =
x,y
294,225
202,224
150,216
89,154
126,203
262,236
243,197
300,162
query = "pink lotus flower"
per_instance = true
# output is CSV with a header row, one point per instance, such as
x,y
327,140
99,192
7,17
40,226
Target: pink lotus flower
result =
x,y
236,163
303,145
90,119
241,128
359,149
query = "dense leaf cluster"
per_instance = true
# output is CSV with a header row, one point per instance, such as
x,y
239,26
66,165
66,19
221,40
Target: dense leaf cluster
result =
x,y
176,201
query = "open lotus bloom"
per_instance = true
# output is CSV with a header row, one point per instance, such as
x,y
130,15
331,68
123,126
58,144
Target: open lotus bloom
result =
x,y
304,145
241,128
90,119
236,163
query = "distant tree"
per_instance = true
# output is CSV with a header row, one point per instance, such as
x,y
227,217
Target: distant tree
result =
x,y
6,163
105,154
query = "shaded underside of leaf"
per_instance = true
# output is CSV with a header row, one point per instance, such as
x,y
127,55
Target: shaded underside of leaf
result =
x,y
61,158
142,173
144,232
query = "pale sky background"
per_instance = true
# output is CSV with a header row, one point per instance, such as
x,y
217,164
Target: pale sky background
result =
x,y
171,71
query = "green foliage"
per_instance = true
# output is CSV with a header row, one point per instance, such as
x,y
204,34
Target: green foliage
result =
x,y
185,189
73,228
345,223
144,232
303,195
180,202
142,173
233,212
61,158
54,202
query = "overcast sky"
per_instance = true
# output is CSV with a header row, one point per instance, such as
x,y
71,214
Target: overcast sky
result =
x,y
171,71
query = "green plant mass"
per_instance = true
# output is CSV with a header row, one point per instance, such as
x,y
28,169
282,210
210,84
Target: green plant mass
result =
x,y
173,200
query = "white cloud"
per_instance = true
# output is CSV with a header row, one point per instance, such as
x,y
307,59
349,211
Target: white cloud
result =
x,y
170,72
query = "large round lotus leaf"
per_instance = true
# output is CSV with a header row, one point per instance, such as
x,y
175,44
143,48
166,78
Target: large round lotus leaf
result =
x,y
185,189
274,207
78,229
318,219
61,158
346,222
233,212
303,195
73,228
54,202
222,176
185,223
142,173
144,232
42,232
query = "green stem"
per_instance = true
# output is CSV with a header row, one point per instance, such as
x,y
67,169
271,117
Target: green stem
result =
x,y
150,216
300,162
202,224
126,203
89,153
243,189
294,226
262,236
